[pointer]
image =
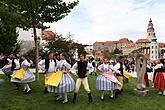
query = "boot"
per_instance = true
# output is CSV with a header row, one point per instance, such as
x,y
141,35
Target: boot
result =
x,y
17,86
95,74
90,98
117,93
45,91
74,98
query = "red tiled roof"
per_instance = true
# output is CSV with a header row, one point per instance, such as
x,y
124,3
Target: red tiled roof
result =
x,y
106,43
124,40
48,35
142,40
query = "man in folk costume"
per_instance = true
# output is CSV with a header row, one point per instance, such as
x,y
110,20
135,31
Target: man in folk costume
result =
x,y
83,67
49,66
120,66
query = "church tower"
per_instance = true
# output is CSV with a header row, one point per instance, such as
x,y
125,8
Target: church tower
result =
x,y
154,49
150,31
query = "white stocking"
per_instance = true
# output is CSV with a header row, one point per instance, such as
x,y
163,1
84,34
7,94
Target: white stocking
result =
x,y
28,88
111,93
24,87
102,94
65,97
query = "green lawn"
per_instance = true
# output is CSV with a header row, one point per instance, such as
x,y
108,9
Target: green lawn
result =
x,y
11,99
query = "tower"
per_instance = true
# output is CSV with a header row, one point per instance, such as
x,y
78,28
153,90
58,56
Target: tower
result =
x,y
150,31
154,48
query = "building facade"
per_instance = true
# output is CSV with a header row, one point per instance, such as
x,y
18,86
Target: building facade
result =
x,y
147,45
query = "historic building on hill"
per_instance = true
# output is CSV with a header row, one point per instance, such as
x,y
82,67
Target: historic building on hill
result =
x,y
148,45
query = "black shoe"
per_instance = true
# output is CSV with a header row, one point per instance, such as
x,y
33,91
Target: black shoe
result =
x,y
117,93
90,98
74,98
102,99
17,86
64,102
111,97
28,91
58,98
45,91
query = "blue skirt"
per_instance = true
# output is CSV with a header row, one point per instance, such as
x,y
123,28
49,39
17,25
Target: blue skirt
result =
x,y
67,84
7,71
102,83
28,77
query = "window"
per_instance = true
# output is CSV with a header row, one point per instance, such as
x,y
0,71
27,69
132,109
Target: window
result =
x,y
152,47
152,51
156,57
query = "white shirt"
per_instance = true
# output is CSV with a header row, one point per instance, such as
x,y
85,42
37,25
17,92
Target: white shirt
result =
x,y
117,66
17,63
158,66
25,63
75,66
52,66
63,65
104,67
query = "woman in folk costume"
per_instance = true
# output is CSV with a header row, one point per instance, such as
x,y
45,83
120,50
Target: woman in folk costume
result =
x,y
66,83
159,82
120,66
7,68
11,65
83,68
24,75
106,80
49,66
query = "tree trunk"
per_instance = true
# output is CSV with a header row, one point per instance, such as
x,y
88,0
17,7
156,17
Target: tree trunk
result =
x,y
37,52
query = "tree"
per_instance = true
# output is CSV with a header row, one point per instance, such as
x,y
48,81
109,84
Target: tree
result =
x,y
61,44
8,39
31,54
117,51
33,13
113,55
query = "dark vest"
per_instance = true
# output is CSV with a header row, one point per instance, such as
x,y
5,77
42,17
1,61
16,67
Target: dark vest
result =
x,y
47,61
13,65
120,69
82,69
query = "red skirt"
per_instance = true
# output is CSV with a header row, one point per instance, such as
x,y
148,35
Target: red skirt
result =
x,y
159,81
146,79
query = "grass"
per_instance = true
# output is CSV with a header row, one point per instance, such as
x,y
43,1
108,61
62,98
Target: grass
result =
x,y
11,99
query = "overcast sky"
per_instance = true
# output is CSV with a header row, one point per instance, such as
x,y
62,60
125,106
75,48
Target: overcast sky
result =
x,y
105,20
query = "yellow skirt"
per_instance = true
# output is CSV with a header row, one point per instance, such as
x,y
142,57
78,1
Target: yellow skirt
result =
x,y
120,79
18,74
53,79
126,75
